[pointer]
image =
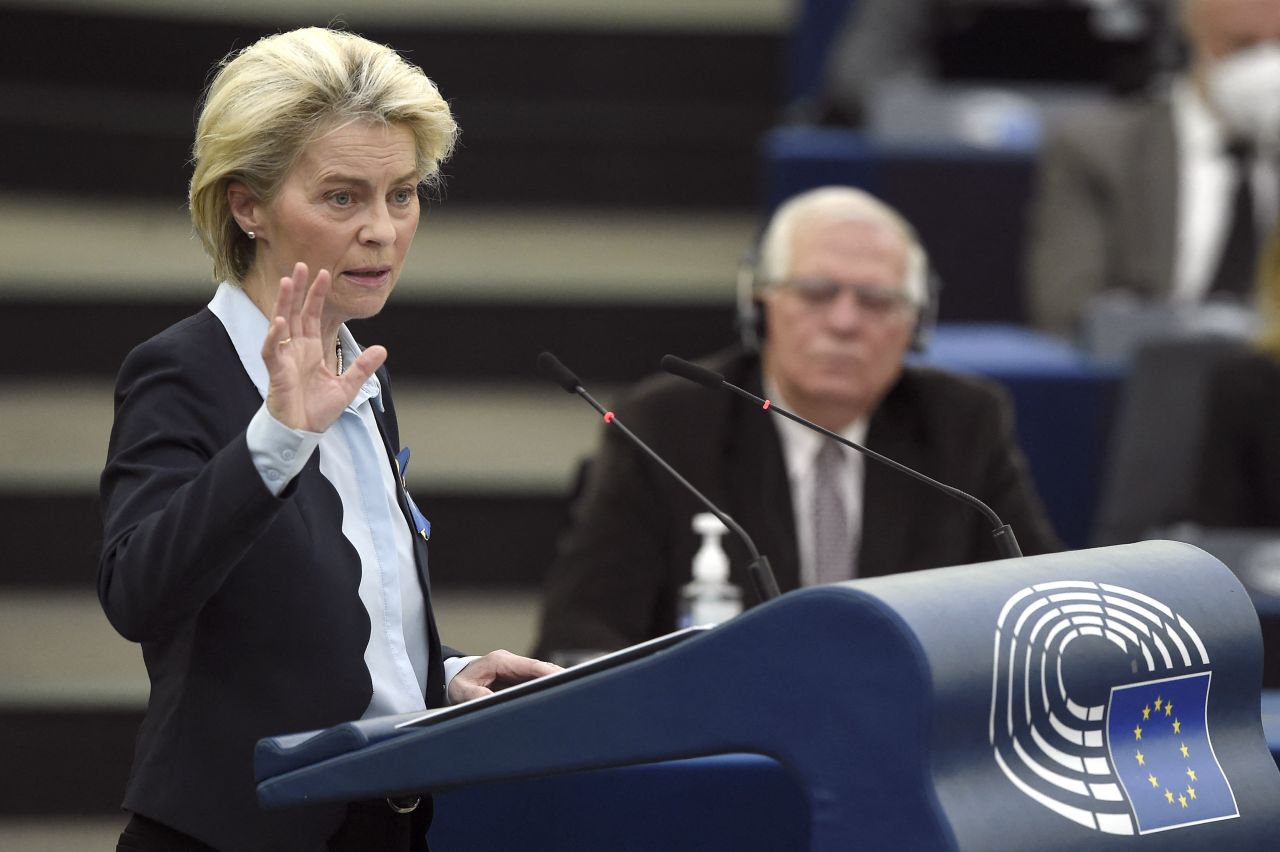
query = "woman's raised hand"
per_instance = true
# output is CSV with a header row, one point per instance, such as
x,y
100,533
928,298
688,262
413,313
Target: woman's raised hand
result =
x,y
303,391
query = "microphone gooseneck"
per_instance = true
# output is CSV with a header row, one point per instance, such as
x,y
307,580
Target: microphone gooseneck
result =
x,y
1006,541
693,372
550,366
766,585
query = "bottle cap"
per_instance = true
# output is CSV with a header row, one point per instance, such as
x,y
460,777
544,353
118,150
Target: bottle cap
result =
x,y
710,563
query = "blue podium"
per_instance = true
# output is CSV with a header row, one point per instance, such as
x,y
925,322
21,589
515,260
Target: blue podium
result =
x,y
1097,699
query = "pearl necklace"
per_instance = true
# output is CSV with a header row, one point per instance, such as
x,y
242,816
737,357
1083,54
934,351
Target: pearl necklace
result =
x,y
338,347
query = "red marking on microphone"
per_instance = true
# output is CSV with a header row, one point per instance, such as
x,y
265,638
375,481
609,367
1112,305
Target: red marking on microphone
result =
x,y
766,405
608,417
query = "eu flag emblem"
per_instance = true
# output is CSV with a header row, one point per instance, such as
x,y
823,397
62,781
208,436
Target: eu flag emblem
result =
x,y
1158,741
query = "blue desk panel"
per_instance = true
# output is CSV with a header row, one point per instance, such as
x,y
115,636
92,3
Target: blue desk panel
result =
x,y
1064,402
745,803
682,804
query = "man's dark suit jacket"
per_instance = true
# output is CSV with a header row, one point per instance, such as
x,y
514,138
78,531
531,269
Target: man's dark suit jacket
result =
x,y
1105,211
630,546
1238,482
246,605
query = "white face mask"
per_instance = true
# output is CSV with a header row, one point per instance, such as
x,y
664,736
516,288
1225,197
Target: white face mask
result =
x,y
1245,89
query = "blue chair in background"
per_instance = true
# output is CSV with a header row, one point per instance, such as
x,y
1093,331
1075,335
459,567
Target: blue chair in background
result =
x,y
967,203
1064,405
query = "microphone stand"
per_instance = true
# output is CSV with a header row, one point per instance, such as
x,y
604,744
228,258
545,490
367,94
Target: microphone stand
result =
x,y
761,573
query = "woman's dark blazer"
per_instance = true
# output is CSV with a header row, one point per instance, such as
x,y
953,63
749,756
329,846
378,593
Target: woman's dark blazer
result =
x,y
246,604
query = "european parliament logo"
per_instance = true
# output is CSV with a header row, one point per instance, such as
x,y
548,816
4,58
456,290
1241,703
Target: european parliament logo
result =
x,y
1099,709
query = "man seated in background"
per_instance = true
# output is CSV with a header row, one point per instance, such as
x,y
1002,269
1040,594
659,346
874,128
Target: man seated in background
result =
x,y
841,292
1238,471
1165,198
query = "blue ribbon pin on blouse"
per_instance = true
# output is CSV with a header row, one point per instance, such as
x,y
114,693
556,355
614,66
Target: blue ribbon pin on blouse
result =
x,y
420,523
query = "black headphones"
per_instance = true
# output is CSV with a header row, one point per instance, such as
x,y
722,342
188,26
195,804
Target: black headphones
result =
x,y
750,319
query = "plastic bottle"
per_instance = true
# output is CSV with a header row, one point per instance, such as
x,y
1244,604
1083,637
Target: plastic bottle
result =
x,y
710,598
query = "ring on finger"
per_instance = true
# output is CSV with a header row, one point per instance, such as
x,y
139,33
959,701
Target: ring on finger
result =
x,y
286,340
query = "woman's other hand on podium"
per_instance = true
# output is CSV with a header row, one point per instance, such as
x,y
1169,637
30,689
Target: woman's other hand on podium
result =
x,y
493,672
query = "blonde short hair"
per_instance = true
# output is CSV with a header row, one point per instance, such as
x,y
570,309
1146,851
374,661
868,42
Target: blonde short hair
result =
x,y
833,204
270,100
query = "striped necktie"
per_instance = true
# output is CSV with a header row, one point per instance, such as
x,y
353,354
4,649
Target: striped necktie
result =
x,y
832,549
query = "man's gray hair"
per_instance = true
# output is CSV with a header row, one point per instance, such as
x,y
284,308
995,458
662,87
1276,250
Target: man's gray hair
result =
x,y
830,205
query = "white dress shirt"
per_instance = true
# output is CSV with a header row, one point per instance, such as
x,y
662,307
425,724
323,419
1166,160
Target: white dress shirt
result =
x,y
1206,192
354,459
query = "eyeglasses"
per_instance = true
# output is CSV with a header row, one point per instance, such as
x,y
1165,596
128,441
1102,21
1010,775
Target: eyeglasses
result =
x,y
820,293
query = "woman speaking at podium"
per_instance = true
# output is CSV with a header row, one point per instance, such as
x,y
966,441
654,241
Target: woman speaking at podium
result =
x,y
258,541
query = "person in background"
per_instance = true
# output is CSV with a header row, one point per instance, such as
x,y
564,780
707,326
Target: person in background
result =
x,y
925,44
841,288
880,40
1165,198
1238,481
258,541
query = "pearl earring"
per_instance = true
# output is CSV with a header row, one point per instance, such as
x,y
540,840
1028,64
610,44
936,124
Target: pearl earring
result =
x,y
251,235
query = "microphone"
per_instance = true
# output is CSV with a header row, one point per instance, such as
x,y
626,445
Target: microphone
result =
x,y
766,586
1006,541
